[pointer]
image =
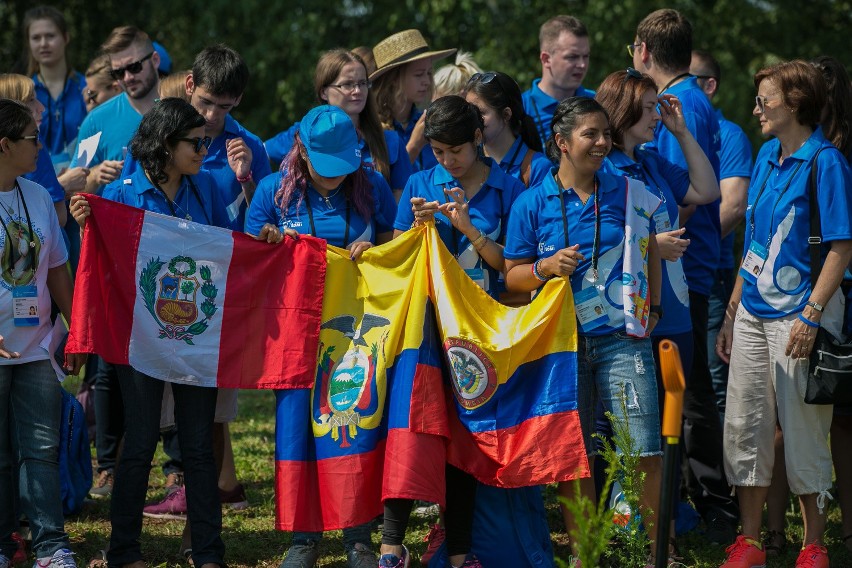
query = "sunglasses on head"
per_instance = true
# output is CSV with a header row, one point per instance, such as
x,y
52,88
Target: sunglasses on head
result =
x,y
484,78
631,73
133,68
197,143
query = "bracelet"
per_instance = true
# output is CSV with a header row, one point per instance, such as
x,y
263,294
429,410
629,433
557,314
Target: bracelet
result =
x,y
808,322
480,241
245,179
537,273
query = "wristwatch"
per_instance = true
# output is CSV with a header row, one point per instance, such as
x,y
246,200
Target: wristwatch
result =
x,y
657,310
817,307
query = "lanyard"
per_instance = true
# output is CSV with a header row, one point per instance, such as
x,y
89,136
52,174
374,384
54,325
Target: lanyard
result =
x,y
31,244
596,243
311,219
172,204
512,159
780,195
673,81
539,124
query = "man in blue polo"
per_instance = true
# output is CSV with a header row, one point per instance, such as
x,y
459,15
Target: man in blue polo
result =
x,y
735,164
564,44
236,157
662,49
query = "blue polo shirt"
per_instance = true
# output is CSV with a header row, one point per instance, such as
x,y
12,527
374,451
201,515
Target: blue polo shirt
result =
x,y
45,176
62,117
117,121
702,256
426,160
670,183
541,107
216,163
734,161
202,203
514,158
329,221
536,230
778,204
488,210
400,167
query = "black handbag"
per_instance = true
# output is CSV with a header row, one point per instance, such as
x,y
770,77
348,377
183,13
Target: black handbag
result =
x,y
830,369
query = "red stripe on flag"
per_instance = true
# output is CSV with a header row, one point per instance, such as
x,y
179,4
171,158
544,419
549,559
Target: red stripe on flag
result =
x,y
256,349
105,288
428,413
414,467
540,450
330,494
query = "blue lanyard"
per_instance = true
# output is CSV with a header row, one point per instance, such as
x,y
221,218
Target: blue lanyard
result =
x,y
596,242
780,195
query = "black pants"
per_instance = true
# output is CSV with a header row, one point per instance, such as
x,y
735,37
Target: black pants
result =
x,y
702,434
458,515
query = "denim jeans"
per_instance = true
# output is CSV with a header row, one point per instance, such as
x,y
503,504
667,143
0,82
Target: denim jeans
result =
x,y
194,410
109,413
30,415
612,366
719,296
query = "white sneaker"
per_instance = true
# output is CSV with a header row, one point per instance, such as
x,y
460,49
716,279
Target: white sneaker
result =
x,y
5,562
62,558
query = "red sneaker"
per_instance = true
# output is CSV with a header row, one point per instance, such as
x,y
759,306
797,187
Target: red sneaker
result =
x,y
812,556
746,552
435,539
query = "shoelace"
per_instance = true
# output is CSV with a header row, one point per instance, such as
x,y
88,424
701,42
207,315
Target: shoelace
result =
x,y
61,559
810,553
739,549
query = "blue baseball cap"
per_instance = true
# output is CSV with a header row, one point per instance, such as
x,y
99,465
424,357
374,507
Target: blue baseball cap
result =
x,y
165,66
331,141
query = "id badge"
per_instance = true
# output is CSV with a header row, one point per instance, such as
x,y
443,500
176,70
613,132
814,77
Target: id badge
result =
x,y
590,308
753,263
25,305
477,275
661,220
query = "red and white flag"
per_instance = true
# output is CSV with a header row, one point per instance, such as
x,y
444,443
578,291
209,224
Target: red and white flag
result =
x,y
191,303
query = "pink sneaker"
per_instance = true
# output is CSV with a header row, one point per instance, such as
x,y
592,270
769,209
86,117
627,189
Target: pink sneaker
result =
x,y
745,553
812,556
173,506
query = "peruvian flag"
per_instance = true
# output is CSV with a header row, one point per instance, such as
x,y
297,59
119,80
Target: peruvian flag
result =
x,y
191,303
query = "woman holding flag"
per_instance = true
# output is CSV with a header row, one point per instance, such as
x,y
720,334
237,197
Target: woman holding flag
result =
x,y
170,146
598,230
326,191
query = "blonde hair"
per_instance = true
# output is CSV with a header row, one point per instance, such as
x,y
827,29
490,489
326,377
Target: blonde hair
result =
x,y
174,85
451,79
16,87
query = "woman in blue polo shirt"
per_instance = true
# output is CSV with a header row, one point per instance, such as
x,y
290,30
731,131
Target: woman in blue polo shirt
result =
x,y
598,230
510,134
323,191
170,146
778,304
341,80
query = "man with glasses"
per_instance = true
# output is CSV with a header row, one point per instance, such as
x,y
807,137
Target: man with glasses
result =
x,y
236,157
133,63
662,48
564,44
735,163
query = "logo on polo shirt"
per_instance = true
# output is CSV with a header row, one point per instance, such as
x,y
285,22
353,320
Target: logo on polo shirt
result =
x,y
544,247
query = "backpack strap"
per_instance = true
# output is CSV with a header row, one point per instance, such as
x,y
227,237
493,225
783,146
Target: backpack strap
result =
x,y
525,167
815,238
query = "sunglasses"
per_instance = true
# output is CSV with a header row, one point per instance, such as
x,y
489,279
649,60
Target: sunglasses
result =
x,y
631,48
197,143
631,73
32,137
133,68
760,101
484,78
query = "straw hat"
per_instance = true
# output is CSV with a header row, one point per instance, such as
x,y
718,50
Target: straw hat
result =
x,y
401,48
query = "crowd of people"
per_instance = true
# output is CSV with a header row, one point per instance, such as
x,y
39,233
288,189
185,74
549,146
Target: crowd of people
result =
x,y
633,192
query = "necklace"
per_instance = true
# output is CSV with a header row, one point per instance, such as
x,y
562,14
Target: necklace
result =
x,y
327,198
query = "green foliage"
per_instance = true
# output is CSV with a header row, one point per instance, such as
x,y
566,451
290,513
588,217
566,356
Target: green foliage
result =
x,y
148,284
187,287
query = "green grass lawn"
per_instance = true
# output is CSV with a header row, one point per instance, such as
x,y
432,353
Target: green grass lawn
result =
x,y
251,539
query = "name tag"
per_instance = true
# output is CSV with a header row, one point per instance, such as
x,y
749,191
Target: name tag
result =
x,y
753,263
661,220
25,306
590,308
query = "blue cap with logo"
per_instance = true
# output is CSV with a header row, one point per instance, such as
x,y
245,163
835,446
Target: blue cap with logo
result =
x,y
331,141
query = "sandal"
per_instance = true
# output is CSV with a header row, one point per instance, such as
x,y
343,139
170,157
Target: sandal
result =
x,y
187,555
775,543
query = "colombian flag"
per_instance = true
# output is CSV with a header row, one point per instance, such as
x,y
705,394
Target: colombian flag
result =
x,y
374,425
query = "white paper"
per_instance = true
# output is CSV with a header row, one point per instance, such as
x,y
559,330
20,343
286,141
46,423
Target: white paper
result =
x,y
51,343
86,150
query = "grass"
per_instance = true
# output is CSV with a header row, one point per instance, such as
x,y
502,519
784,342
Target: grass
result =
x,y
252,541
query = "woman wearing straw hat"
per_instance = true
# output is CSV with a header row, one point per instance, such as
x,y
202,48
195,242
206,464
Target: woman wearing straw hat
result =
x,y
402,79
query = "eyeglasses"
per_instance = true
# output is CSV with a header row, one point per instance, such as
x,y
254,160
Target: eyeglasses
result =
x,y
33,137
631,48
760,102
133,68
631,73
197,143
349,88
705,77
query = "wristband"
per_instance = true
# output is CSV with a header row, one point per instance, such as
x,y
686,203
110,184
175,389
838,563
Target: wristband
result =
x,y
537,273
808,322
245,179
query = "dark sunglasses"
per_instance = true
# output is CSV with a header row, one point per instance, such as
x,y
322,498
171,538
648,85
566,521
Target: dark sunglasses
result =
x,y
32,137
133,68
197,143
484,78
632,74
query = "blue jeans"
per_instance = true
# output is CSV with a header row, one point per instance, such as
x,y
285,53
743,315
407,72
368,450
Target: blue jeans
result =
x,y
612,366
30,414
351,536
719,296
194,411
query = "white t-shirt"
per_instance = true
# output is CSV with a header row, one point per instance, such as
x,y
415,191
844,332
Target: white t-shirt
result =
x,y
17,264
